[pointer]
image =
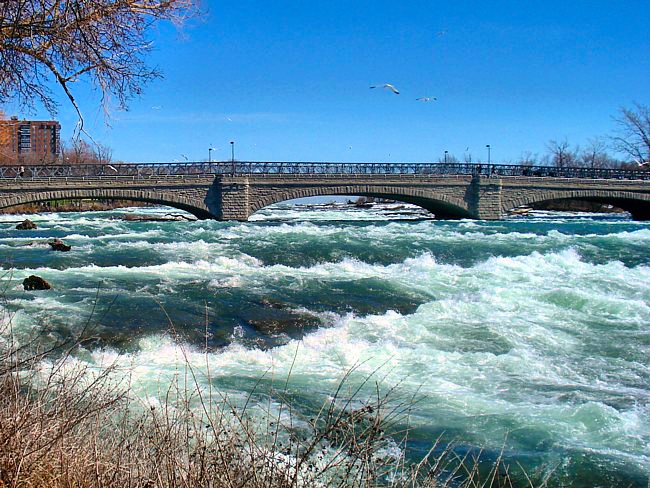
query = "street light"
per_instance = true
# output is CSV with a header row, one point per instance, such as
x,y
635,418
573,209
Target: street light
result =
x,y
232,156
210,149
488,148
446,153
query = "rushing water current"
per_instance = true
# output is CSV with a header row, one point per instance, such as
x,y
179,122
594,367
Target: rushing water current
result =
x,y
530,335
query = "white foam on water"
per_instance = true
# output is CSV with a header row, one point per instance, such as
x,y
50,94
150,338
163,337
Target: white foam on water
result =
x,y
339,211
545,342
508,342
472,384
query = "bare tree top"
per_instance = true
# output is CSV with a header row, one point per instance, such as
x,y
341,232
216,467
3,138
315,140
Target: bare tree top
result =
x,y
633,137
65,40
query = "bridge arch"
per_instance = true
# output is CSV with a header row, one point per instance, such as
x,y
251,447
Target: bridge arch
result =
x,y
441,205
162,198
638,204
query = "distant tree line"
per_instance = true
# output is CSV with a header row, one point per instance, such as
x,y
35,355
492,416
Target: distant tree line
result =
x,y
79,151
630,141
74,151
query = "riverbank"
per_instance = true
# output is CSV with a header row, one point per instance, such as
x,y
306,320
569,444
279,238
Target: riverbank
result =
x,y
71,206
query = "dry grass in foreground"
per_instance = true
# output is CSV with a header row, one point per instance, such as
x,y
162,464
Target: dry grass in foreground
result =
x,y
63,424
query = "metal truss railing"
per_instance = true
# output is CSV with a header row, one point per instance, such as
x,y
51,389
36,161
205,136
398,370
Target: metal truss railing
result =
x,y
156,170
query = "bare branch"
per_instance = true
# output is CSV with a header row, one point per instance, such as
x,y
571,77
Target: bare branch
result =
x,y
104,41
633,135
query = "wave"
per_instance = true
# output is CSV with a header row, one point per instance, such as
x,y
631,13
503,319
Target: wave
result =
x,y
533,272
531,384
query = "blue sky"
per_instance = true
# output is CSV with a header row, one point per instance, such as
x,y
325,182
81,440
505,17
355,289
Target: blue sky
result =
x,y
289,80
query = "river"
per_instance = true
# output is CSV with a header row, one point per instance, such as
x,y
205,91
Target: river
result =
x,y
529,335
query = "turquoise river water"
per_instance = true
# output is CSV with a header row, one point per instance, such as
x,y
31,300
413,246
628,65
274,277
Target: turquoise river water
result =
x,y
530,335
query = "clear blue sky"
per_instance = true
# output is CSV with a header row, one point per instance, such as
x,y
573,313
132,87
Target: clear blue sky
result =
x,y
289,80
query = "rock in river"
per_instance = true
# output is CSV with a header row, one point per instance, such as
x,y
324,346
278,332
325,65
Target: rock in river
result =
x,y
26,225
34,282
59,245
272,318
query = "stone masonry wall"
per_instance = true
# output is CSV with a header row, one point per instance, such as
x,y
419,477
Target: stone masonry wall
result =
x,y
518,191
237,197
186,193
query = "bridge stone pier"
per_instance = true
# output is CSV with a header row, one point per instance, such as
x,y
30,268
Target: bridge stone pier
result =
x,y
229,192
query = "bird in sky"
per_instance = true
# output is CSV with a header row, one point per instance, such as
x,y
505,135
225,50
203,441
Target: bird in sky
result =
x,y
441,33
388,86
426,99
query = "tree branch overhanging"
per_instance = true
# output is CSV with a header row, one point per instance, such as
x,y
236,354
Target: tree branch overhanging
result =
x,y
60,41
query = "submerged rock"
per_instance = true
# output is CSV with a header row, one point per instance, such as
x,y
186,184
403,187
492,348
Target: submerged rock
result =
x,y
59,245
154,218
34,282
274,318
26,225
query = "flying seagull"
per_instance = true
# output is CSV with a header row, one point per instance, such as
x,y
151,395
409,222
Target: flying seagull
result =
x,y
387,85
426,99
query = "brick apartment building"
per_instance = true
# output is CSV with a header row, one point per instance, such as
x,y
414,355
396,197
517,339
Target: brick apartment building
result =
x,y
29,141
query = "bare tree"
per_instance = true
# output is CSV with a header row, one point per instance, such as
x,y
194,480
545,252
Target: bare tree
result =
x,y
80,151
103,154
528,159
62,41
633,135
594,155
561,154
76,151
448,158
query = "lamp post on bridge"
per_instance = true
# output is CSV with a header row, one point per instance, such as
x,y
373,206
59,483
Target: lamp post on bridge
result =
x,y
446,154
210,149
232,156
488,148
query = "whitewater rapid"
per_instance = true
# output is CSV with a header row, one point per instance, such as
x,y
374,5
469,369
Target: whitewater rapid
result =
x,y
531,334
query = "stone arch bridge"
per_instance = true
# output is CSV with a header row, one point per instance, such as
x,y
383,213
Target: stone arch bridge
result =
x,y
234,191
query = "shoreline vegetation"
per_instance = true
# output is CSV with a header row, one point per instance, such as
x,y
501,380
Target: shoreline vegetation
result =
x,y
66,423
71,206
